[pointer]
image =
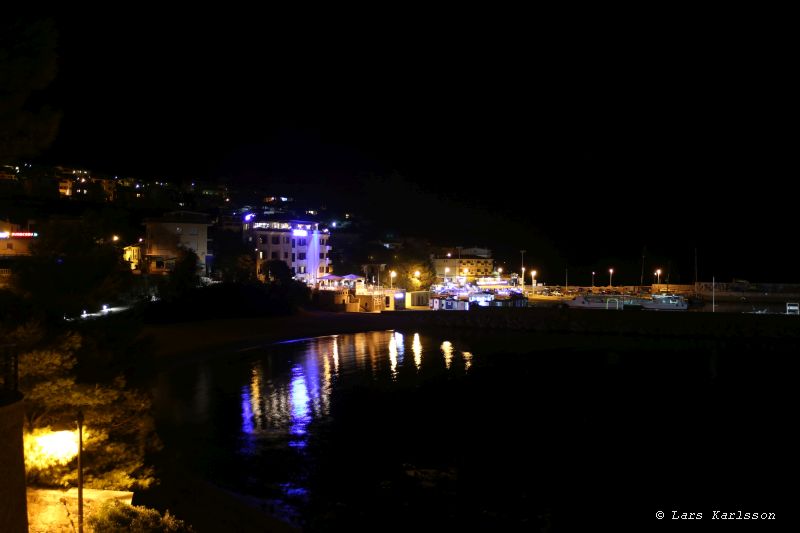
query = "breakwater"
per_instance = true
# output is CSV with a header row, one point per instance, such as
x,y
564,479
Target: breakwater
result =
x,y
628,323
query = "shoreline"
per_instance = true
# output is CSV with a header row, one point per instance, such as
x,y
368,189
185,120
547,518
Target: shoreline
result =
x,y
181,343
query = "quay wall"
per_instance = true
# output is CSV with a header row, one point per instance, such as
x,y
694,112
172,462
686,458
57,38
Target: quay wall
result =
x,y
600,322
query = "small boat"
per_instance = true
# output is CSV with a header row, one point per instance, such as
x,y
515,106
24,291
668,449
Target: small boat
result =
x,y
665,302
655,302
603,301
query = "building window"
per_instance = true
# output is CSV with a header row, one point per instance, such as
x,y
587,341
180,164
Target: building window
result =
x,y
193,231
9,246
292,258
301,270
330,269
302,242
274,255
286,240
322,256
293,242
301,256
262,240
321,270
293,271
261,255
286,255
276,239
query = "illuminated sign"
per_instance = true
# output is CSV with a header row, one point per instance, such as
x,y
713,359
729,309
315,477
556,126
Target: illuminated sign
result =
x,y
300,233
18,234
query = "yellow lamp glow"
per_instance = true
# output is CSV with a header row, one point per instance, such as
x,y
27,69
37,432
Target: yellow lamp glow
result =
x,y
45,448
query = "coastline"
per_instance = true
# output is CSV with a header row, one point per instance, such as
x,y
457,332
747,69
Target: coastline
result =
x,y
180,343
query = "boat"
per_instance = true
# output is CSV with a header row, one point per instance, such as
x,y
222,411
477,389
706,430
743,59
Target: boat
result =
x,y
665,302
603,301
655,302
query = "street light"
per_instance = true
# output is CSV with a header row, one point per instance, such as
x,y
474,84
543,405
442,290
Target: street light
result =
x,y
416,273
533,279
80,470
392,275
523,279
592,279
610,274
658,276
500,272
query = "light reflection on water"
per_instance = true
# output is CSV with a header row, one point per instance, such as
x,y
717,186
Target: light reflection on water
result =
x,y
284,392
281,402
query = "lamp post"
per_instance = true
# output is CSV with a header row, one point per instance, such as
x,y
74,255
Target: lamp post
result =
x,y
593,280
80,471
533,280
500,272
610,275
658,276
392,275
523,280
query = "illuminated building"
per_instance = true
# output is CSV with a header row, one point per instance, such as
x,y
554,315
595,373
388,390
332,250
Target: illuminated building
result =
x,y
14,241
167,234
466,266
298,243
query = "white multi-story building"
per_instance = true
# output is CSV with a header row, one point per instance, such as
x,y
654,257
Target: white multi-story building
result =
x,y
298,243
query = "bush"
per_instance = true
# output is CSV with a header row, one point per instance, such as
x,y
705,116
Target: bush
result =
x,y
114,517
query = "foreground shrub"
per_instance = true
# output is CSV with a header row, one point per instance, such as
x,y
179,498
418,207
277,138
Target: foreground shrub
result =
x,y
116,517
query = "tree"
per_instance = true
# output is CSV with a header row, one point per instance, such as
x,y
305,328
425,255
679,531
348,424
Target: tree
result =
x,y
233,260
69,271
183,276
407,277
27,65
276,271
120,429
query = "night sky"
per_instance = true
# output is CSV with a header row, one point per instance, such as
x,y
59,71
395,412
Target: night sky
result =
x,y
500,135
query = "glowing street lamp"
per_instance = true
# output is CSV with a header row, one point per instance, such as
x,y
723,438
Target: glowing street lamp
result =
x,y
523,279
392,275
416,273
658,276
80,471
592,279
500,272
533,279
610,274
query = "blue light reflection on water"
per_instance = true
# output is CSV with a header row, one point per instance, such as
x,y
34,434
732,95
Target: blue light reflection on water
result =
x,y
301,414
281,401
